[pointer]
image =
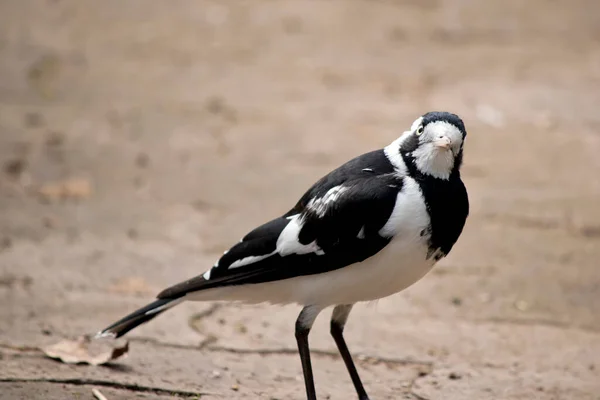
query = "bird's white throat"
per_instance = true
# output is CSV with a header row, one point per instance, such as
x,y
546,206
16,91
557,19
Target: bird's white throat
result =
x,y
433,160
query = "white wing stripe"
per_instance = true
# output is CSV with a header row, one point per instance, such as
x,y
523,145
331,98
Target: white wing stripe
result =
x,y
249,260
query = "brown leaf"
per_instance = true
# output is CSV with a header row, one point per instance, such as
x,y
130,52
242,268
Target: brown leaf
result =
x,y
72,188
81,351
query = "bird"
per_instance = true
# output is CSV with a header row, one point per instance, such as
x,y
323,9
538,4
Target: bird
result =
x,y
369,229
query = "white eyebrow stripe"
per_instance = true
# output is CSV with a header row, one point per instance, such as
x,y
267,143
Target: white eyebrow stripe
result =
x,y
416,124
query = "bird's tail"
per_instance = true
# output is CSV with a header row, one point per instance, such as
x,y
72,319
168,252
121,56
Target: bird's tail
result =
x,y
138,317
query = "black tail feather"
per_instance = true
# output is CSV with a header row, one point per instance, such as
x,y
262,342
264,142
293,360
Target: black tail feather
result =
x,y
138,317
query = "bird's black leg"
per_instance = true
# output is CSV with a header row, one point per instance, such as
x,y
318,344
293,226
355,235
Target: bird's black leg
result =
x,y
338,321
303,324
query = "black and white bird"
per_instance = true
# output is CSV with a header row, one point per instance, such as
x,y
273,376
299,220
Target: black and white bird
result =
x,y
369,229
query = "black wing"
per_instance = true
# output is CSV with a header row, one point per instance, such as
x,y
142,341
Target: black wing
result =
x,y
335,224
366,165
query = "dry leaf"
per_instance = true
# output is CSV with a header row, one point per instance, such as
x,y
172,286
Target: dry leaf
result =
x,y
81,351
73,188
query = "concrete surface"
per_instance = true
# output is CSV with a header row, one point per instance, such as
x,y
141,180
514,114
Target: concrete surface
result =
x,y
139,139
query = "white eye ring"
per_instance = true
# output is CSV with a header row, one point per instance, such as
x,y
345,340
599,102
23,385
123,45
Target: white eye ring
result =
x,y
419,130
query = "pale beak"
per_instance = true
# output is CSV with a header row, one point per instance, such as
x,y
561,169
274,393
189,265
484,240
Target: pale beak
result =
x,y
444,142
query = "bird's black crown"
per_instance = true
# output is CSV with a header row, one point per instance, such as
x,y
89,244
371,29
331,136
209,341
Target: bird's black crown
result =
x,y
453,119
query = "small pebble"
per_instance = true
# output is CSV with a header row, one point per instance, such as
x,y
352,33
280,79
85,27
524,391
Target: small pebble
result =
x,y
454,376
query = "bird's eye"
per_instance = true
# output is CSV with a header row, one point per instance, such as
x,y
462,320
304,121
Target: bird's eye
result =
x,y
420,130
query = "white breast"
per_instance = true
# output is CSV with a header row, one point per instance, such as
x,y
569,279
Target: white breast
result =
x,y
400,264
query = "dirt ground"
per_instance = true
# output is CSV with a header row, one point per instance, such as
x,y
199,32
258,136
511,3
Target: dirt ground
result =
x,y
139,139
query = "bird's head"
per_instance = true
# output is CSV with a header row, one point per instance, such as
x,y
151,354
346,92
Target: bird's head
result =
x,y
434,144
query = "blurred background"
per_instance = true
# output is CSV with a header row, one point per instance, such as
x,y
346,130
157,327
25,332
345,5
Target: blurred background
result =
x,y
139,139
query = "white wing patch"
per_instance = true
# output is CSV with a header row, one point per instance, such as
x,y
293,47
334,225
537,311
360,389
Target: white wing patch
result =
x,y
288,242
249,260
239,263
319,205
206,275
